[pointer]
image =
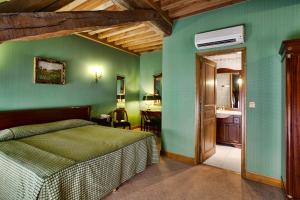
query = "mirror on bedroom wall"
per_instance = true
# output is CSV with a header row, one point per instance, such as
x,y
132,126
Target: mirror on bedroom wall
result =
x,y
157,80
120,91
228,90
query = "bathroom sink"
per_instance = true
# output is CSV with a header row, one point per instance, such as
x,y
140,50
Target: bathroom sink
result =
x,y
222,115
227,113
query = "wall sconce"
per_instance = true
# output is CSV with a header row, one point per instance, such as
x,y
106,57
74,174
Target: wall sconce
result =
x,y
240,81
98,73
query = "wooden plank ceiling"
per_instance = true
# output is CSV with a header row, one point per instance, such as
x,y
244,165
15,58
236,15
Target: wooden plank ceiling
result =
x,y
183,8
134,38
140,37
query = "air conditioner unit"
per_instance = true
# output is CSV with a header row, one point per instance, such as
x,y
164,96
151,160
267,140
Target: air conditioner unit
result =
x,y
220,38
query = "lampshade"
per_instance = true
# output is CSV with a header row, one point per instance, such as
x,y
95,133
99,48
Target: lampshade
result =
x,y
148,97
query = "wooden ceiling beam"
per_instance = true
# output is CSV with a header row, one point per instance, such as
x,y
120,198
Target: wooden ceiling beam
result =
x,y
14,6
158,9
153,48
143,41
111,28
100,30
165,24
40,25
101,34
119,30
141,46
128,34
139,36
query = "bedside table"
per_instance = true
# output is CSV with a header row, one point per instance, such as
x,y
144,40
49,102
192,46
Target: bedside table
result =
x,y
102,122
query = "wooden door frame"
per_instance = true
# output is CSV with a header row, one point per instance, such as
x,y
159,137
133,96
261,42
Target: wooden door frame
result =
x,y
243,103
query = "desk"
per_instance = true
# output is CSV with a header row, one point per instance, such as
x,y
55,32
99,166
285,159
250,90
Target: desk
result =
x,y
151,120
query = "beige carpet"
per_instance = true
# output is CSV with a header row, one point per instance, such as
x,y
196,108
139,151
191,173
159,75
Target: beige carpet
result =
x,y
172,180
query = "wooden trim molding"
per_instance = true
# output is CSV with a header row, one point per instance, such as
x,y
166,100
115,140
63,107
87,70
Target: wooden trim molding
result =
x,y
226,70
178,157
197,113
243,102
263,179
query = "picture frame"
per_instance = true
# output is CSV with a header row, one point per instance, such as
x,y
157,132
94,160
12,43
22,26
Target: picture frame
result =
x,y
49,71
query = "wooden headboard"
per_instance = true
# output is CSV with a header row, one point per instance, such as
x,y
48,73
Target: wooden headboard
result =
x,y
9,119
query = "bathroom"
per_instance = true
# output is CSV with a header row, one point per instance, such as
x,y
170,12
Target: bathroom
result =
x,y
229,111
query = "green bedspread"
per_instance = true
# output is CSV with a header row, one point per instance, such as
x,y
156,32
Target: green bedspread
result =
x,y
85,162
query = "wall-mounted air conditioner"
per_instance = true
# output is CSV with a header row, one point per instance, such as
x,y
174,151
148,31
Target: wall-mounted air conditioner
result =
x,y
220,38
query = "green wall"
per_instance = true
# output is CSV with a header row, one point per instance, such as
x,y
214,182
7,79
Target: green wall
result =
x,y
150,64
268,23
17,90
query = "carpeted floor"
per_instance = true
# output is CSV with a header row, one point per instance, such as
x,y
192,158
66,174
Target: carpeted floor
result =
x,y
171,180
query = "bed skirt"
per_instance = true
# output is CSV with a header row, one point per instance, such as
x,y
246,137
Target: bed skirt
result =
x,y
88,180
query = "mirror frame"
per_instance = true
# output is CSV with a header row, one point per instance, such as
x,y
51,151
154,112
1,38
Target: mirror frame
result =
x,y
122,78
231,71
156,77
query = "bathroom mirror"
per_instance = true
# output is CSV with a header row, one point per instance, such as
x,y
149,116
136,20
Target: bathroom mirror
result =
x,y
157,80
120,87
157,84
228,90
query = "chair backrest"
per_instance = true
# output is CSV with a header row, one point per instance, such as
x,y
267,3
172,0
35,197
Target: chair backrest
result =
x,y
120,114
146,116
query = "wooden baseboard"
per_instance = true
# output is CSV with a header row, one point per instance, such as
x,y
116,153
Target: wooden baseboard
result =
x,y
178,157
263,179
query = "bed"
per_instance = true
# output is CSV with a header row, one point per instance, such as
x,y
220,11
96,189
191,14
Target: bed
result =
x,y
59,154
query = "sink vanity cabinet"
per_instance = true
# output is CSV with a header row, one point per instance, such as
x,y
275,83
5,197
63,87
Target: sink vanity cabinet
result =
x,y
229,130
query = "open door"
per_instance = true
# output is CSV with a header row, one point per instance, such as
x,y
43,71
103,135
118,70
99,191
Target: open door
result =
x,y
206,75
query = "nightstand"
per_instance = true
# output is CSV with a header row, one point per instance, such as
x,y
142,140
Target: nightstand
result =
x,y
102,122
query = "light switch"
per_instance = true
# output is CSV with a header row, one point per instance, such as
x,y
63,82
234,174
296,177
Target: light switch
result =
x,y
251,104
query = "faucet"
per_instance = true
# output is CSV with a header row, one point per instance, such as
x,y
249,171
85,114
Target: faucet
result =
x,y
221,108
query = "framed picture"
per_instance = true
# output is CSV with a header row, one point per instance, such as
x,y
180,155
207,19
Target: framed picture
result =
x,y
49,71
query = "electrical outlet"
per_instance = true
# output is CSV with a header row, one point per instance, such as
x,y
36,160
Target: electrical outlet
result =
x,y
251,104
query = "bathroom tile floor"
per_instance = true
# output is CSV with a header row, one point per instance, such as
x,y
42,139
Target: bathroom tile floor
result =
x,y
226,157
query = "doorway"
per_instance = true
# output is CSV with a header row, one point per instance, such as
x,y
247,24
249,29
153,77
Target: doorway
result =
x,y
220,109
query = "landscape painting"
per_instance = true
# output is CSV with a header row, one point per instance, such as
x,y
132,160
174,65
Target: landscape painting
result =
x,y
49,71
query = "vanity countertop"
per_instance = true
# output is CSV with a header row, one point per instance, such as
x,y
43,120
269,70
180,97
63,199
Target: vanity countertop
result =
x,y
227,113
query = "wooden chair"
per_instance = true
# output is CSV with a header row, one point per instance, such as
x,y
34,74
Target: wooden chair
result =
x,y
147,122
150,124
120,118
